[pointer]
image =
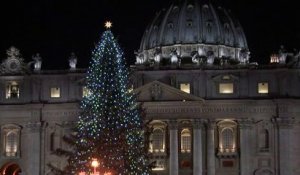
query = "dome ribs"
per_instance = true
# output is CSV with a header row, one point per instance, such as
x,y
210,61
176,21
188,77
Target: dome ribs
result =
x,y
193,25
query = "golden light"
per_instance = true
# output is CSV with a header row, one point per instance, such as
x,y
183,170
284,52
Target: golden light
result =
x,y
95,163
226,88
274,58
108,24
185,87
263,88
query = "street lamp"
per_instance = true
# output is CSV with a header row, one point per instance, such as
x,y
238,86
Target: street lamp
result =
x,y
95,164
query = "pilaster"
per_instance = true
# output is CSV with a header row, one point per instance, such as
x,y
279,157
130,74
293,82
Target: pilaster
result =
x,y
284,131
198,125
211,147
173,130
33,142
245,126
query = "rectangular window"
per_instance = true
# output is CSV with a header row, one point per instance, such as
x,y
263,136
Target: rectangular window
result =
x,y
185,87
12,90
226,88
55,92
263,88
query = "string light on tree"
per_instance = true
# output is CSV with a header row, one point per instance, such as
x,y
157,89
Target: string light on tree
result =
x,y
110,126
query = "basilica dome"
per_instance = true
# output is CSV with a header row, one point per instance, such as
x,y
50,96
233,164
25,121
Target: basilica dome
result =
x,y
193,26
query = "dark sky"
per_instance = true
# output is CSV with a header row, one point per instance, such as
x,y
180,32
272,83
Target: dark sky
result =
x,y
55,28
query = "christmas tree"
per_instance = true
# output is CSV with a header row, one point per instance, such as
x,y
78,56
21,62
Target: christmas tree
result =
x,y
110,126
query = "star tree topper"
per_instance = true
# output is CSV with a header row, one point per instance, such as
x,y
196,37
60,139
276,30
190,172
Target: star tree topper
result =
x,y
108,24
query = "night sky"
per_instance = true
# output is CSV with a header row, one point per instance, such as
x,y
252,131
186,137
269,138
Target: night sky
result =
x,y
55,28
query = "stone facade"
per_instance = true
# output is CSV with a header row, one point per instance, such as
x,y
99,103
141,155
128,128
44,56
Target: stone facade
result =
x,y
211,111
243,132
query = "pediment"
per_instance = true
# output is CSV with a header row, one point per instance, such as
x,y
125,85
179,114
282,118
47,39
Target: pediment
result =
x,y
225,77
158,91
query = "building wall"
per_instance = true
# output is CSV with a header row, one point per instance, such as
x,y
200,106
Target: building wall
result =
x,y
42,121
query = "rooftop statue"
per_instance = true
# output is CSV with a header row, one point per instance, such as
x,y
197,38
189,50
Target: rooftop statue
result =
x,y
72,61
37,62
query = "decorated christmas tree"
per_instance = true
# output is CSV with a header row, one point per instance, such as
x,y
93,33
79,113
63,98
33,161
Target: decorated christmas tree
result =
x,y
110,126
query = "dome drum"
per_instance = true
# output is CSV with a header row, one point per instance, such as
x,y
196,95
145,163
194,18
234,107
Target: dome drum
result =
x,y
190,51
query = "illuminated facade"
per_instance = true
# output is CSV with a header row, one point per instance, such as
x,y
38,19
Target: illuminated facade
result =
x,y
212,112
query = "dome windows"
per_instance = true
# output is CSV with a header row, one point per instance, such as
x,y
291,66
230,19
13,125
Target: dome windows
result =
x,y
226,27
175,9
209,26
189,23
190,7
170,25
205,6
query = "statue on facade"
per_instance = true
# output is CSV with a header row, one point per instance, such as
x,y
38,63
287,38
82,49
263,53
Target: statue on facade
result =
x,y
195,57
72,61
157,55
201,52
210,57
297,59
198,57
140,59
174,56
13,53
37,62
244,56
282,54
293,58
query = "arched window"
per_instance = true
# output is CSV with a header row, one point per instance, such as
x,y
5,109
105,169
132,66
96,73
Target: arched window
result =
x,y
226,27
52,141
185,141
264,140
11,144
170,25
209,26
227,130
227,139
157,141
10,135
189,23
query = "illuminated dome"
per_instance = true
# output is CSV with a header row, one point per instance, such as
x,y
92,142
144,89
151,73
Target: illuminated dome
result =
x,y
193,26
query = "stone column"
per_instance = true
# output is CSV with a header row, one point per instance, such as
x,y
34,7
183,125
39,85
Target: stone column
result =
x,y
245,126
197,147
173,161
284,127
211,145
